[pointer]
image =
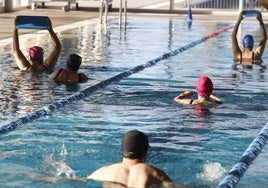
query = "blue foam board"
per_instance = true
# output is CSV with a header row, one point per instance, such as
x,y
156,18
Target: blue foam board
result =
x,y
250,13
32,22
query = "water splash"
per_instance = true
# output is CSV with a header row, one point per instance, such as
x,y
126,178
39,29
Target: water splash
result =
x,y
211,171
63,152
57,168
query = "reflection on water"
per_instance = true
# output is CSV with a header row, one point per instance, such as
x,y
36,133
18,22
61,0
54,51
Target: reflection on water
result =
x,y
182,140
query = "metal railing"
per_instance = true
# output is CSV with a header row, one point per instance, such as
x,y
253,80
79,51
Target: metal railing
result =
x,y
226,4
104,6
125,13
216,4
170,4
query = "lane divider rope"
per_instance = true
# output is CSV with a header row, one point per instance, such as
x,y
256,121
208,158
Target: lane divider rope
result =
x,y
88,91
250,154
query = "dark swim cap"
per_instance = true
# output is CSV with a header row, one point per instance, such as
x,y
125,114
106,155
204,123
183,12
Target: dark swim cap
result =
x,y
73,62
36,53
248,41
204,86
135,145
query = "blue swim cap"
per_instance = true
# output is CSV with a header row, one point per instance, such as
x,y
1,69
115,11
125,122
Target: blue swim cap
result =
x,y
248,41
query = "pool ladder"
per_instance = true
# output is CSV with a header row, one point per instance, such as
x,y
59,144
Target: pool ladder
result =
x,y
104,7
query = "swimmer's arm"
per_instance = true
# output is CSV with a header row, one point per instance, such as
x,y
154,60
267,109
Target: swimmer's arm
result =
x,y
79,179
21,60
82,77
236,48
54,75
184,97
69,179
259,50
52,59
216,99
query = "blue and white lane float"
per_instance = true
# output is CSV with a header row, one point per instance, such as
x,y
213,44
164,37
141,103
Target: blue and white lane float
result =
x,y
89,90
250,154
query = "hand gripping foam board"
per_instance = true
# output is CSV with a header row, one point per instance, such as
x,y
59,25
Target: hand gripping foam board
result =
x,y
32,22
250,13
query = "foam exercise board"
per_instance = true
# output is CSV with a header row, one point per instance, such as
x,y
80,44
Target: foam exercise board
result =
x,y
32,22
250,13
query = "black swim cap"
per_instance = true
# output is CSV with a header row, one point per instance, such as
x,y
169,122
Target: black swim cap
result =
x,y
135,145
73,62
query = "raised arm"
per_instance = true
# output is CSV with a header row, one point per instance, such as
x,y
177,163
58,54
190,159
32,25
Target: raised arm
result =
x,y
236,48
215,98
21,60
259,50
52,59
184,97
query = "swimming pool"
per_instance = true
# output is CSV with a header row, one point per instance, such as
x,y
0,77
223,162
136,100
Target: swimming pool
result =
x,y
193,148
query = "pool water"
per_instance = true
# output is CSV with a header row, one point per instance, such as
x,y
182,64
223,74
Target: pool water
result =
x,y
193,148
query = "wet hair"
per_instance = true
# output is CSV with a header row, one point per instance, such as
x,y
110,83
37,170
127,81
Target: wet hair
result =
x,y
135,145
204,86
36,53
248,41
73,62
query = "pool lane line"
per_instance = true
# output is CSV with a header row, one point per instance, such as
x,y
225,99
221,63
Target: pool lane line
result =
x,y
89,90
249,155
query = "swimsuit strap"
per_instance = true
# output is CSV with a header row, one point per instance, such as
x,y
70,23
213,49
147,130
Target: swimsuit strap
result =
x,y
192,100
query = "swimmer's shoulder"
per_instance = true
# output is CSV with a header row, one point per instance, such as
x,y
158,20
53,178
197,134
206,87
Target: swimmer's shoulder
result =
x,y
106,173
56,73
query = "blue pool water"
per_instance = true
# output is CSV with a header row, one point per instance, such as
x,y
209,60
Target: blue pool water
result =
x,y
193,148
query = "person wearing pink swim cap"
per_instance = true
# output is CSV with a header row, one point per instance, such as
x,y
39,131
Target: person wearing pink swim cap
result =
x,y
204,89
248,56
36,53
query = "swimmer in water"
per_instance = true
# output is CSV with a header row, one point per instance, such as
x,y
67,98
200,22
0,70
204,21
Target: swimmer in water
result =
x,y
206,98
36,53
132,171
248,56
70,74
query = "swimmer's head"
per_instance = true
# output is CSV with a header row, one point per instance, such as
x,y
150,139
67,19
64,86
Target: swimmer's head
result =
x,y
135,145
36,53
73,62
248,41
204,86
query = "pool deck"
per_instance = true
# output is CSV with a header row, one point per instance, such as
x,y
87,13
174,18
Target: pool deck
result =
x,y
59,17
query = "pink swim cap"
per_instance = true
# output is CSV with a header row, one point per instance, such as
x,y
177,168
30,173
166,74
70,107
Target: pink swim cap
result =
x,y
204,86
36,53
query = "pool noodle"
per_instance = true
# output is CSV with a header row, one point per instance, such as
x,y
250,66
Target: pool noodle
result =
x,y
32,22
